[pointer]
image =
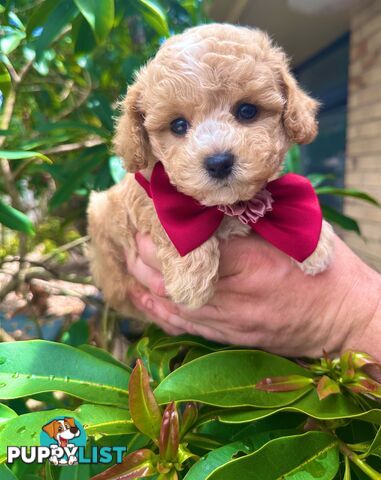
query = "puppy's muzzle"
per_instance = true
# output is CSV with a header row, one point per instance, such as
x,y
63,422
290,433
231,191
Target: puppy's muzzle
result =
x,y
219,165
74,429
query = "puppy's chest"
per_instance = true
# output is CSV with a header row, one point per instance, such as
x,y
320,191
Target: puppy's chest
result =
x,y
231,226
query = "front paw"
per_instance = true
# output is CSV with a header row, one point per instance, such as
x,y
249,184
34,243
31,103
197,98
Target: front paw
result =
x,y
322,256
190,280
187,292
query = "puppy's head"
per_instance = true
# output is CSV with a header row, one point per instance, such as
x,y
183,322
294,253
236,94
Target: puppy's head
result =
x,y
219,108
65,428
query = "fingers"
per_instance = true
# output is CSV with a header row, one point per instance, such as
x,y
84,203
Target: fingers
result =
x,y
147,251
145,275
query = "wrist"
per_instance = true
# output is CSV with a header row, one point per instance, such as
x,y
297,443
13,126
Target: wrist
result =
x,y
365,334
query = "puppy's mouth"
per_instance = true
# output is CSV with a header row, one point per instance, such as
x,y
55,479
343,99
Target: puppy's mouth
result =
x,y
63,442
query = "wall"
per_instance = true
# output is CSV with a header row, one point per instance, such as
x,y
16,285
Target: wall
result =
x,y
363,164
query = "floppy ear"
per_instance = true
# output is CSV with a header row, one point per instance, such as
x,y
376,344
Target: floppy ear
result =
x,y
299,114
50,428
131,139
70,421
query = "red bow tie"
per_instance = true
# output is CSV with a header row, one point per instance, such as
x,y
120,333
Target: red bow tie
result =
x,y
292,224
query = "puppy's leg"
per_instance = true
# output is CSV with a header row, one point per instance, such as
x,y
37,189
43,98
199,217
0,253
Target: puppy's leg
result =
x,y
322,256
111,232
189,280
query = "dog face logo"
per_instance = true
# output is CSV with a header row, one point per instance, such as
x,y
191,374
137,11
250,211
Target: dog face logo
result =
x,y
63,435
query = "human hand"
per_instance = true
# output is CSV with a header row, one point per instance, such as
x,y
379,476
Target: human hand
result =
x,y
264,300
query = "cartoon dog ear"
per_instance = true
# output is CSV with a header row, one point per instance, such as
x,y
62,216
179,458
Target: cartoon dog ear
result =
x,y
131,138
50,428
70,421
299,114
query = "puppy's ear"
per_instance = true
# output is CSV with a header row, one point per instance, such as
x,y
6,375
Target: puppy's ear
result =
x,y
299,114
70,421
131,139
51,428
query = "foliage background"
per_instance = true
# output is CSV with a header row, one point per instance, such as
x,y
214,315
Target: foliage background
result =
x,y
63,64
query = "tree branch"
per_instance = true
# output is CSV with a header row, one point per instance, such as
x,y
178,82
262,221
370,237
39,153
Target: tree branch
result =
x,y
71,147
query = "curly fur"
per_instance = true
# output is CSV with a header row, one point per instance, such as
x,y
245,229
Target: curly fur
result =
x,y
201,75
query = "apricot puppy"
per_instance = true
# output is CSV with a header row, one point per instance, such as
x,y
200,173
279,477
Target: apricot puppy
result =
x,y
219,108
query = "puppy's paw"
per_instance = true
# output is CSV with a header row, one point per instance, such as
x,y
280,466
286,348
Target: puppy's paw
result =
x,y
188,294
190,280
322,256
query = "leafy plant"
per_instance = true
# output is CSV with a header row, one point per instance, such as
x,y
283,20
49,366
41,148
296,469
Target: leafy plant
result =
x,y
196,410
63,63
293,163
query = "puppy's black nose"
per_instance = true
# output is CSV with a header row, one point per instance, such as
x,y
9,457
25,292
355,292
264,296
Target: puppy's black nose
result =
x,y
74,429
219,165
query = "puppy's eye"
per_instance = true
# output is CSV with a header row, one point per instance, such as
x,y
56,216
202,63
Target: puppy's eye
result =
x,y
60,429
245,112
179,126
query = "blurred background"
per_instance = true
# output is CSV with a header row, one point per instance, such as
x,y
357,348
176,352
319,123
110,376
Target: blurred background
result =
x,y
63,65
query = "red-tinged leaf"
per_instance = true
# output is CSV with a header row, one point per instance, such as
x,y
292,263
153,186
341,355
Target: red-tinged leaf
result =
x,y
144,409
169,434
365,385
139,464
188,418
347,366
327,387
287,383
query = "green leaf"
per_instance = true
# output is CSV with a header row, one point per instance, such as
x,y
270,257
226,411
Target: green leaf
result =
x,y
347,192
6,413
312,455
97,420
10,40
144,409
331,408
103,355
77,334
5,84
14,219
228,379
117,170
87,162
317,179
19,155
292,161
343,221
40,14
214,459
105,420
100,16
40,366
154,16
57,19
6,473
75,472
375,446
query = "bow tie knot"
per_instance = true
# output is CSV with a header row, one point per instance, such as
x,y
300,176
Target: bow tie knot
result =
x,y
286,213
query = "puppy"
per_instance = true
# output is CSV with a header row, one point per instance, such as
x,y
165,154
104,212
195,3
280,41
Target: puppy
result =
x,y
62,431
218,92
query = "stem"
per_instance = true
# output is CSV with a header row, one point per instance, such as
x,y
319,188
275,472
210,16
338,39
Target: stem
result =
x,y
363,466
104,332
